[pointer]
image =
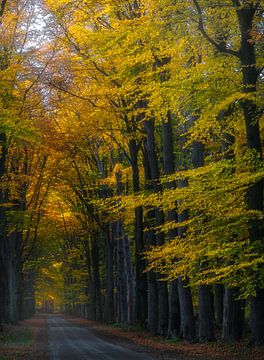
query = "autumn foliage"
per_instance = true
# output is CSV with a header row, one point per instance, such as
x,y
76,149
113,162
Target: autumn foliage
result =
x,y
131,163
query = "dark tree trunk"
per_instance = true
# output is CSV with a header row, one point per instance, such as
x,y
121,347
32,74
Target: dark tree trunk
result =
x,y
206,314
4,253
121,259
206,310
188,325
141,305
163,304
252,114
218,304
121,274
233,316
109,269
174,311
169,168
28,295
96,277
257,316
186,308
150,241
130,282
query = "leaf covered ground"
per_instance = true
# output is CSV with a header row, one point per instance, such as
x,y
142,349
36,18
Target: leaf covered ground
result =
x,y
27,340
162,349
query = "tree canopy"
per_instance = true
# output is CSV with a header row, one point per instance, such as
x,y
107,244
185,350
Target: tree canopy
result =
x,y
131,162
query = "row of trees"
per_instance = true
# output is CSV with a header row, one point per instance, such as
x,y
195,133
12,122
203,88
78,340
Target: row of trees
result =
x,y
150,126
25,166
154,89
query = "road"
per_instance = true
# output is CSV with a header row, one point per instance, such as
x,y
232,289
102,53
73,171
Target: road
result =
x,y
71,342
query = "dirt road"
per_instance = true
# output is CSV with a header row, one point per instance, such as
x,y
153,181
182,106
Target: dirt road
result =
x,y
70,342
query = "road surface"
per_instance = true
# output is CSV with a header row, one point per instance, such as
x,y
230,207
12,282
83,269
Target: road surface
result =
x,y
71,342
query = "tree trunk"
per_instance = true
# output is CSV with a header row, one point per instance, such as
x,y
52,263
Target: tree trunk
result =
x,y
174,311
109,269
206,311
150,241
252,114
130,282
141,305
186,308
218,304
121,274
206,314
96,278
4,253
163,304
233,316
169,168
185,296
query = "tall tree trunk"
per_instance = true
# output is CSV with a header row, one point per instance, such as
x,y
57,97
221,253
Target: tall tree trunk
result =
x,y
185,296
246,15
163,304
4,254
206,314
141,305
188,324
130,282
206,311
169,168
121,274
218,304
150,241
96,277
186,307
233,316
109,269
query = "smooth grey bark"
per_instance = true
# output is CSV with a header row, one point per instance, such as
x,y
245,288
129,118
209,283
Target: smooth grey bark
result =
x,y
89,288
121,274
109,270
163,304
10,236
187,331
130,281
206,314
174,310
188,325
150,240
247,55
4,253
169,168
206,311
97,300
28,294
219,304
233,316
141,304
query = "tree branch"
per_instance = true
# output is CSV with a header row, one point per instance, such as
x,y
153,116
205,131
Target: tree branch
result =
x,y
236,3
2,9
221,48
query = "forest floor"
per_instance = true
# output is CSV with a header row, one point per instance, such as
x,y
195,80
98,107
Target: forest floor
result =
x,y
162,349
29,341
25,341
